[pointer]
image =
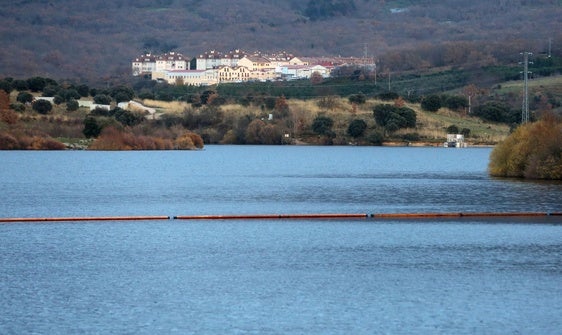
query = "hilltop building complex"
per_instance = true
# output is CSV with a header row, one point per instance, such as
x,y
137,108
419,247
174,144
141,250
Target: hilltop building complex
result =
x,y
213,67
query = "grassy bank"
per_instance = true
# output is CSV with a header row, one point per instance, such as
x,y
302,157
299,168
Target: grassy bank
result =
x,y
239,124
231,114
431,126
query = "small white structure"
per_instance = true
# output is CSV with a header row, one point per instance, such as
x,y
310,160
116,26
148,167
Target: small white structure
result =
x,y
291,72
49,99
455,141
188,77
85,103
92,105
100,106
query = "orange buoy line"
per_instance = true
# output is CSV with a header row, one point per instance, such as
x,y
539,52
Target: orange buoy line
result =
x,y
291,216
505,214
94,218
461,215
270,216
413,215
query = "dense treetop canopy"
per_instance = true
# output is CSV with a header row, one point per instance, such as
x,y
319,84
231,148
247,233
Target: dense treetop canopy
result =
x,y
75,39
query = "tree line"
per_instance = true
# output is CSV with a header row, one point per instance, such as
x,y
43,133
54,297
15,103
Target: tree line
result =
x,y
206,116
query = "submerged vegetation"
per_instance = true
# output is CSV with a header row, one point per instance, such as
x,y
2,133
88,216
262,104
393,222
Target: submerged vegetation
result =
x,y
533,151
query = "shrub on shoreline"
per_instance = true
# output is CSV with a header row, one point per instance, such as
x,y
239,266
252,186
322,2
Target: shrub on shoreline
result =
x,y
114,139
189,141
533,151
22,141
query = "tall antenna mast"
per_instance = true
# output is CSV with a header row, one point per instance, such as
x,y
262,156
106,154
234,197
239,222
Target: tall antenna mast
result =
x,y
369,61
525,109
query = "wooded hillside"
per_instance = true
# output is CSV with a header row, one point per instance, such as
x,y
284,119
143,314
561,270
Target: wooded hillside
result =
x,y
95,40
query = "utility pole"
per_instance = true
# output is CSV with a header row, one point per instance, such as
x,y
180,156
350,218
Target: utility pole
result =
x,y
525,109
369,62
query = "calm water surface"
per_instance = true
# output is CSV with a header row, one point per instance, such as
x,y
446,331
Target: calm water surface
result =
x,y
262,179
275,277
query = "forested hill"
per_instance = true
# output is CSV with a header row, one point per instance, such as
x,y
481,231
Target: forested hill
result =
x,y
95,39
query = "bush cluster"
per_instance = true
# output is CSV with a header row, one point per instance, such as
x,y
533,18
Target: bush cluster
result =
x,y
112,138
533,150
393,118
18,140
496,111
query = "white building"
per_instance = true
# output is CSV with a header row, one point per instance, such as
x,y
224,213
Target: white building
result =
x,y
213,67
144,64
148,63
214,59
171,61
187,77
455,141
292,72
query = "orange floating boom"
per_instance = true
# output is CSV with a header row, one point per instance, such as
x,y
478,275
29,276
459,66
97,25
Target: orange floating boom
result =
x,y
270,216
288,216
459,215
414,215
94,218
504,214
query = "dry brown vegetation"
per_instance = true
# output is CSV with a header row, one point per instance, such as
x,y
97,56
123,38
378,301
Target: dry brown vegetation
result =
x,y
112,138
13,136
167,106
252,123
60,129
533,151
17,140
189,141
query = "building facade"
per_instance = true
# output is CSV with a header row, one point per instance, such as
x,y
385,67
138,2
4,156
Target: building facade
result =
x,y
214,67
187,77
148,63
171,61
144,65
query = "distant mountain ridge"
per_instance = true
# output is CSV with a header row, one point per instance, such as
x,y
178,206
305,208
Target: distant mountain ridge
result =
x,y
92,40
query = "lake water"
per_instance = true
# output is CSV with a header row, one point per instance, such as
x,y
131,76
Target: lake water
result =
x,y
345,276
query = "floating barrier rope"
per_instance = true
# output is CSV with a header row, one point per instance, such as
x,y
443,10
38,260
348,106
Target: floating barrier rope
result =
x,y
92,218
271,216
397,216
460,215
